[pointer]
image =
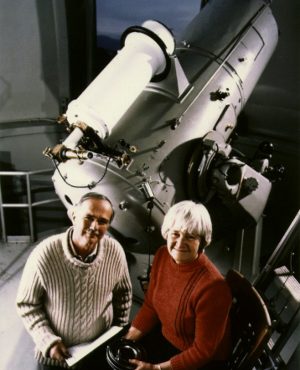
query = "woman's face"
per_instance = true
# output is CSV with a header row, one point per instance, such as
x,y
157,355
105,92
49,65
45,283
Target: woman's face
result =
x,y
182,246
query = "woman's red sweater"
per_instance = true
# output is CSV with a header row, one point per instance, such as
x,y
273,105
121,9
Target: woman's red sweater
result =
x,y
192,302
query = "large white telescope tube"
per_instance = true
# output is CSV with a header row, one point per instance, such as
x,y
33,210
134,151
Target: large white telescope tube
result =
x,y
107,98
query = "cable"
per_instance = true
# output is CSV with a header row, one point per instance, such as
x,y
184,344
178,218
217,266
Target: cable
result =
x,y
144,279
89,186
149,246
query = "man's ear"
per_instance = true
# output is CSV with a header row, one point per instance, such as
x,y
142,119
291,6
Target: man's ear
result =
x,y
71,214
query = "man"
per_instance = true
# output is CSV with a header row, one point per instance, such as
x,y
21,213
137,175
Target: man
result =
x,y
75,285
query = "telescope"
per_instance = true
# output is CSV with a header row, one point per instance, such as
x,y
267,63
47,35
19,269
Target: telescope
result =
x,y
157,125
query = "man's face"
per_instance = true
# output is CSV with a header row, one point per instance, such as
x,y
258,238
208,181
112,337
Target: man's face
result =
x,y
91,220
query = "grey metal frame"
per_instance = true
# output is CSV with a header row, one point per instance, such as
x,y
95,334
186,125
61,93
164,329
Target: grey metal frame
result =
x,y
30,205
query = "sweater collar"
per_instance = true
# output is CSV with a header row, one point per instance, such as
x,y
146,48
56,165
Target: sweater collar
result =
x,y
89,258
70,256
200,261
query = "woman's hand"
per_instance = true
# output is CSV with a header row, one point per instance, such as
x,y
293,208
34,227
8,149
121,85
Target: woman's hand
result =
x,y
141,365
133,334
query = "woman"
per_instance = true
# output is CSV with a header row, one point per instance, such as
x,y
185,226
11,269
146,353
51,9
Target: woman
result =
x,y
187,299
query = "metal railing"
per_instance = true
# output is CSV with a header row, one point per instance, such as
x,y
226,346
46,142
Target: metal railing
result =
x,y
29,204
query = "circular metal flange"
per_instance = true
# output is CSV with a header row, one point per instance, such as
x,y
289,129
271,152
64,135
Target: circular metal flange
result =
x,y
146,31
120,351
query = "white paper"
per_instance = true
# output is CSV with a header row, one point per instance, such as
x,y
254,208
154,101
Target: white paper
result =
x,y
81,350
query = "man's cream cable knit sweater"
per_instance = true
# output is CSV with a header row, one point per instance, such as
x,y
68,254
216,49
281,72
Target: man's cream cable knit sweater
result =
x,y
60,297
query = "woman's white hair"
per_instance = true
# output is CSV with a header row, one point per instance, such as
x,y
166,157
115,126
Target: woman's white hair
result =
x,y
191,217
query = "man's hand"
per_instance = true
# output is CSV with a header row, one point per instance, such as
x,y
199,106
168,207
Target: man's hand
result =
x,y
59,351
